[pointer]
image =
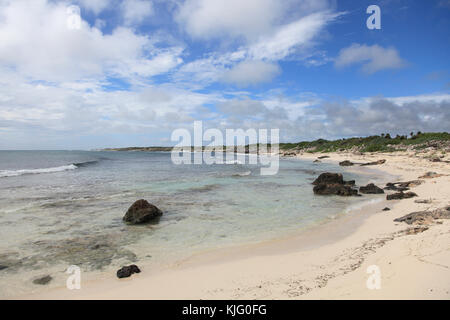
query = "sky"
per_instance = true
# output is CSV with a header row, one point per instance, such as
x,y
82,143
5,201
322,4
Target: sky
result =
x,y
87,74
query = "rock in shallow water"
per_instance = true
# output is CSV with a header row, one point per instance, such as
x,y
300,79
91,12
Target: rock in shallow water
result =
x,y
127,271
333,184
329,177
334,188
43,280
140,212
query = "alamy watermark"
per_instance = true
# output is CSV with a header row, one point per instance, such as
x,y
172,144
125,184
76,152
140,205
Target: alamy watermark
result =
x,y
237,147
374,21
374,280
73,282
73,17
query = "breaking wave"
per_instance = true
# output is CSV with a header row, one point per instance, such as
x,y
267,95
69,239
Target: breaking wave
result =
x,y
73,166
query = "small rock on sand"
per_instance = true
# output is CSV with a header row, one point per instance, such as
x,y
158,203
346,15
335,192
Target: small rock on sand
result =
x,y
127,271
430,175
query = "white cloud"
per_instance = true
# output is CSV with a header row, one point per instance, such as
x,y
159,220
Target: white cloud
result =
x,y
374,58
35,40
251,73
248,20
206,19
135,11
288,38
283,42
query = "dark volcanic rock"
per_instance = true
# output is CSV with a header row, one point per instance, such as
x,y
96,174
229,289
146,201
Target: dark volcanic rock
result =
x,y
333,183
322,157
141,211
334,188
386,209
425,217
127,271
43,280
329,177
3,267
401,195
371,189
346,163
374,163
350,182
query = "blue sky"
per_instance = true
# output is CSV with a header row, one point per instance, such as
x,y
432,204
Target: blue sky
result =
x,y
132,71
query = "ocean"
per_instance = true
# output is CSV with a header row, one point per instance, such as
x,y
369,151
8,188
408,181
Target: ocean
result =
x,y
62,208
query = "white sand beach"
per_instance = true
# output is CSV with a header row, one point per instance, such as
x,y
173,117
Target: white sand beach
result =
x,y
328,262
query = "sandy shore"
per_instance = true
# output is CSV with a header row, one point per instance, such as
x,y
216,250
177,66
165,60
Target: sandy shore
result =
x,y
329,262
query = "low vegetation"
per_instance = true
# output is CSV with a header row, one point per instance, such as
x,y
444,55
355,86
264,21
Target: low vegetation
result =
x,y
379,143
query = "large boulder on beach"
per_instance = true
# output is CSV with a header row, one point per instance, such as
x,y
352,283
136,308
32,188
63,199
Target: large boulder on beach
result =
x,y
334,189
141,212
328,177
371,189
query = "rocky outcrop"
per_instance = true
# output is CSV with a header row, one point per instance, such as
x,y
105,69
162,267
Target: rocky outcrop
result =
x,y
141,212
425,217
371,189
323,157
334,189
329,177
386,209
346,163
127,271
374,163
400,195
333,184
43,280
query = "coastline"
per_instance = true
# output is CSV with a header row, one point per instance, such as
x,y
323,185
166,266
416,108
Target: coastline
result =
x,y
301,267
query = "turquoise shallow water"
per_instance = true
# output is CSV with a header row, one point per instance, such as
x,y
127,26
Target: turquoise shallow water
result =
x,y
59,208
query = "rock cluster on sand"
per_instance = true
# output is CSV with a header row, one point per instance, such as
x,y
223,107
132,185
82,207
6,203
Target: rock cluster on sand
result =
x,y
333,184
371,189
140,212
127,271
400,195
403,186
425,217
346,163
